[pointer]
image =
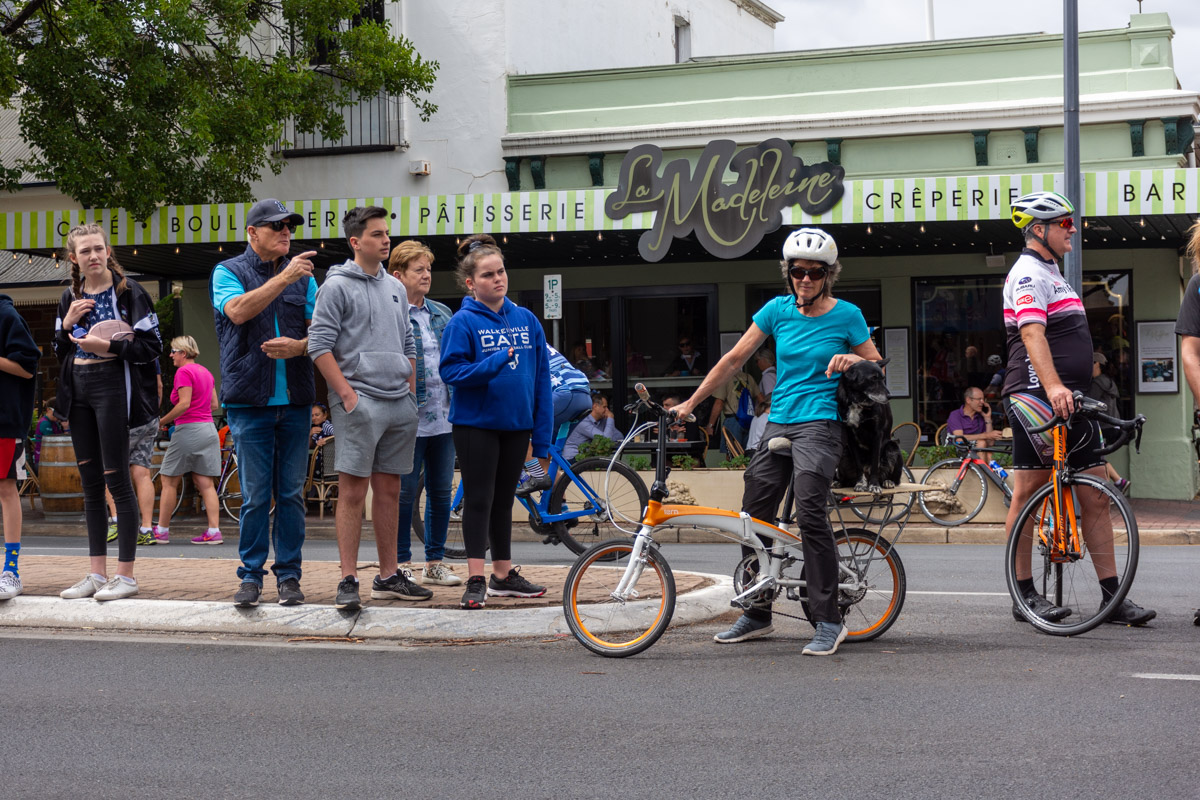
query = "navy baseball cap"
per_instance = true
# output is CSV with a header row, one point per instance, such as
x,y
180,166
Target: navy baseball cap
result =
x,y
271,210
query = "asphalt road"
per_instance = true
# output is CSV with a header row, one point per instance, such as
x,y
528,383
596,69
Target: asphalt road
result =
x,y
956,701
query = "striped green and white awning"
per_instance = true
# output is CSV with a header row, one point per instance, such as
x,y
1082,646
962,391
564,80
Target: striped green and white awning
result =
x,y
930,199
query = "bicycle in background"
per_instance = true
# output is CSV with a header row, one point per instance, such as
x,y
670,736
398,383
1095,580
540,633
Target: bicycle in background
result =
x,y
962,484
587,502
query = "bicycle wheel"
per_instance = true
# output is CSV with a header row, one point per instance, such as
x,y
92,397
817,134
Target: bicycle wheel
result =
x,y
1070,580
454,542
878,513
627,497
608,626
230,493
871,562
948,507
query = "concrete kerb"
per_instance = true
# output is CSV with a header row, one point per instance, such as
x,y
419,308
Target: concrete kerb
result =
x,y
421,624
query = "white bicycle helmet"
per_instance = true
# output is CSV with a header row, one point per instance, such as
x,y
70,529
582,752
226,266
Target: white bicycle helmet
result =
x,y
1040,206
812,244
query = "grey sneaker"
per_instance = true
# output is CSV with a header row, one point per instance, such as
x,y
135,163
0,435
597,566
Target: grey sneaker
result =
x,y
85,588
398,587
289,592
438,574
10,585
826,640
347,597
116,589
247,595
745,628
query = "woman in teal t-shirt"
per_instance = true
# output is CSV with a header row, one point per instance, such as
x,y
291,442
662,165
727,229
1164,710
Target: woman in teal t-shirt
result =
x,y
817,337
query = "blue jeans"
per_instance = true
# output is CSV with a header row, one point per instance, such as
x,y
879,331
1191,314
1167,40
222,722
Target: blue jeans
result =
x,y
437,454
272,451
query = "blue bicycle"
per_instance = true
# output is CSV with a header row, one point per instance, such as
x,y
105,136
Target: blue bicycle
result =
x,y
589,501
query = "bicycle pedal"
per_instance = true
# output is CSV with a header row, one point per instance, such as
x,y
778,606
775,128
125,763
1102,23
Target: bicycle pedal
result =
x,y
551,540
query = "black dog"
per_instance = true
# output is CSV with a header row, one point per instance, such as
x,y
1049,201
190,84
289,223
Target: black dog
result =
x,y
871,459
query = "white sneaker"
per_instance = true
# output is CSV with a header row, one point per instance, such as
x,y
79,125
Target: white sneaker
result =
x,y
10,585
439,574
85,588
115,589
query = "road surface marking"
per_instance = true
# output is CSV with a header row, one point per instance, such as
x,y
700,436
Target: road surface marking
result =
x,y
965,594
1165,676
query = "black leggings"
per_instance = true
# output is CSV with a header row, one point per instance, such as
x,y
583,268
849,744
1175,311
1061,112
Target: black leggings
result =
x,y
100,433
490,463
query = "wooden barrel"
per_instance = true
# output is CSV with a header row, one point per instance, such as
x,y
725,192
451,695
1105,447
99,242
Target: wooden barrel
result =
x,y
58,475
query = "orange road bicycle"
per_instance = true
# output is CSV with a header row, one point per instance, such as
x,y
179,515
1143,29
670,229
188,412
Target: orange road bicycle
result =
x,y
619,596
1076,529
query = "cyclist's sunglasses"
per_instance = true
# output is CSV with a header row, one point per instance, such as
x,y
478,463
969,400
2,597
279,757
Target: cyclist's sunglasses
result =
x,y
813,274
1066,223
280,224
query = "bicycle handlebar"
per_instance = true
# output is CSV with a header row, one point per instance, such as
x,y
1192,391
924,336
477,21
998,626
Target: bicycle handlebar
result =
x,y
644,400
1088,408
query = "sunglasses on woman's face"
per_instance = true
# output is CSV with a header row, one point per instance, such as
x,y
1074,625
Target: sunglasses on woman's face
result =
x,y
813,273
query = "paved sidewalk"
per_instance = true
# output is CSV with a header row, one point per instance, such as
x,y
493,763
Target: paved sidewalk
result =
x,y
195,596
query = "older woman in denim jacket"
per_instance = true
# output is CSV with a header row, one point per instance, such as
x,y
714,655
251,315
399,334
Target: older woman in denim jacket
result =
x,y
412,264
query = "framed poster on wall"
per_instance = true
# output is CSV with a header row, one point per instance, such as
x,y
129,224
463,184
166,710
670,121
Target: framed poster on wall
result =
x,y
1157,360
895,348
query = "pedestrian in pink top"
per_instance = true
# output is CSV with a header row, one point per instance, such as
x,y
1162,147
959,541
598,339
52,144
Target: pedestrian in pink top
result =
x,y
195,446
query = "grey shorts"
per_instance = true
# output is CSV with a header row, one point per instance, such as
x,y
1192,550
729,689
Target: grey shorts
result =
x,y
816,446
377,436
141,443
195,447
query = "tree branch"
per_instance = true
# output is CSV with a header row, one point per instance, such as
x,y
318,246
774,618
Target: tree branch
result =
x,y
19,20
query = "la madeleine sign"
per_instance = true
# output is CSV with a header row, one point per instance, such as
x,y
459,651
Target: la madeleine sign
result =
x,y
729,219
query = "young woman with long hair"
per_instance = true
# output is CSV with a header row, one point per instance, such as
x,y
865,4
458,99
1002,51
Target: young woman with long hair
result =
x,y
494,355
106,339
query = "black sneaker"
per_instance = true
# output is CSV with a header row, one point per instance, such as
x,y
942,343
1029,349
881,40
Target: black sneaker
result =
x,y
514,586
347,595
1043,608
1196,617
1130,613
247,595
476,594
532,485
289,592
399,587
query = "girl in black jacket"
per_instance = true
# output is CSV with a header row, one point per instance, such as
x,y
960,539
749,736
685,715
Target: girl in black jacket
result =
x,y
106,386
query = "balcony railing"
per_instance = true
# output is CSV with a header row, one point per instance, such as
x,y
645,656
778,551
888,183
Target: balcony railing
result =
x,y
372,125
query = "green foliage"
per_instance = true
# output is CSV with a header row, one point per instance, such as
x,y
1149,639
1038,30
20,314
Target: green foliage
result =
x,y
737,462
597,447
934,453
684,462
134,103
640,463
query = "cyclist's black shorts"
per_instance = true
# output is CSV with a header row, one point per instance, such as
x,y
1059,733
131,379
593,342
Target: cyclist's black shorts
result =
x,y
1036,451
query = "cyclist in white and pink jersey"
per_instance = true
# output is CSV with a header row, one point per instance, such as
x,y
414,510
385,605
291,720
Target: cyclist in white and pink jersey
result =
x,y
1050,358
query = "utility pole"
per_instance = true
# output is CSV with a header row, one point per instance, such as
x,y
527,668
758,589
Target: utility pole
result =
x,y
1073,266
929,20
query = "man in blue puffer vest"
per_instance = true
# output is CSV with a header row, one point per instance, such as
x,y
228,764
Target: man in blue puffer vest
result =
x,y
262,305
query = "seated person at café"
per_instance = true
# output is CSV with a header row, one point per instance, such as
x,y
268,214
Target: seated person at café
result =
x,y
598,423
685,432
974,420
690,361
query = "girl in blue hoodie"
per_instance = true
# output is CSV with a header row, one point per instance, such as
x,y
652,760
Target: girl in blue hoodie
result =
x,y
494,355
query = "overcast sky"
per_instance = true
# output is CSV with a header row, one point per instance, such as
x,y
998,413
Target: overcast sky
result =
x,y
840,23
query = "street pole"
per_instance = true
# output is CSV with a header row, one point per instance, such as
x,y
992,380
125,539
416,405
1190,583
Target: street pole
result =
x,y
1073,265
929,20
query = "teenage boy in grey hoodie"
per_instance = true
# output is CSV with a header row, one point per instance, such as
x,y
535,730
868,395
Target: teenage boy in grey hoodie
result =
x,y
361,340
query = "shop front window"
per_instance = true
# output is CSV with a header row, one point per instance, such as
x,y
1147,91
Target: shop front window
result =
x,y
960,340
